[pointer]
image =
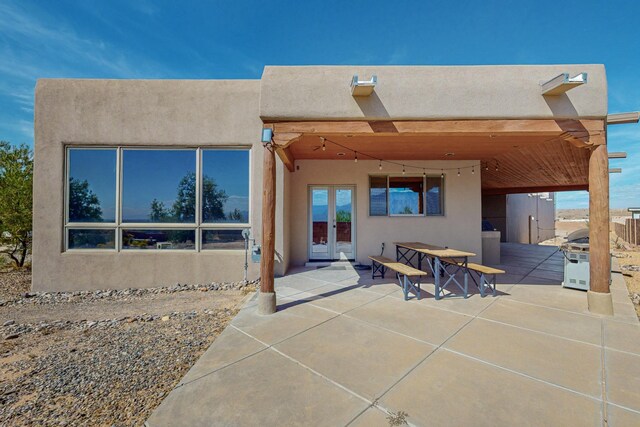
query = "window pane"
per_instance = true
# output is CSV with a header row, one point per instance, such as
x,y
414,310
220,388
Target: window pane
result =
x,y
377,195
222,239
158,239
434,196
405,196
159,186
225,186
92,239
92,185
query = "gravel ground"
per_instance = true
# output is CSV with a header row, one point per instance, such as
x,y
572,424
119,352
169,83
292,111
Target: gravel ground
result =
x,y
103,367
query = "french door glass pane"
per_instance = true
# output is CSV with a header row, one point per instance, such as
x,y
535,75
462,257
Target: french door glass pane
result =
x,y
344,213
320,220
92,185
159,186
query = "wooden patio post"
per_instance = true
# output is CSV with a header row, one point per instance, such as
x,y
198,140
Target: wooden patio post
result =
x,y
598,296
267,296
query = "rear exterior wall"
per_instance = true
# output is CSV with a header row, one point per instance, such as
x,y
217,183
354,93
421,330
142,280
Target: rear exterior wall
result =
x,y
459,228
135,114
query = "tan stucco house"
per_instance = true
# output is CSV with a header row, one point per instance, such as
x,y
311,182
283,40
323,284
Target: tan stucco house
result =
x,y
142,183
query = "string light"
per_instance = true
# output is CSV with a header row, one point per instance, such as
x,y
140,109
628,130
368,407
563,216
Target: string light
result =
x,y
404,166
496,166
473,170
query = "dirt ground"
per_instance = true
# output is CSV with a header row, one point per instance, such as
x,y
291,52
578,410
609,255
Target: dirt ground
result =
x,y
100,361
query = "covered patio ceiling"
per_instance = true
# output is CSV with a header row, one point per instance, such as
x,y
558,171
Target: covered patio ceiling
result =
x,y
529,155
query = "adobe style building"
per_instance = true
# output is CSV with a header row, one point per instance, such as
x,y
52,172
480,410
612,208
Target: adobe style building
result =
x,y
143,183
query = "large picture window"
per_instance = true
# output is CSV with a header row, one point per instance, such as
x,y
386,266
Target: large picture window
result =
x,y
405,195
120,198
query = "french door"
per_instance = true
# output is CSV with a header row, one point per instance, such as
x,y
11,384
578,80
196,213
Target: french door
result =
x,y
332,231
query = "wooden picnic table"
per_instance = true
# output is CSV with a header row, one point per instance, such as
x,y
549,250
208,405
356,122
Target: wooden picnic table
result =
x,y
443,259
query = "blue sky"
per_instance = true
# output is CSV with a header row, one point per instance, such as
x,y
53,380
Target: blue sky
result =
x,y
219,39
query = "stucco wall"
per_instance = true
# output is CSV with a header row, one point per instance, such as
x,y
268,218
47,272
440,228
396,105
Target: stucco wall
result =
x,y
430,93
459,228
137,113
519,208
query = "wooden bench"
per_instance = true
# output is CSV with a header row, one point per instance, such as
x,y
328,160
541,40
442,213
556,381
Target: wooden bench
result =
x,y
487,275
407,276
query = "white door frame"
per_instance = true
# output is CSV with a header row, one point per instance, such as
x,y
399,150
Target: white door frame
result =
x,y
332,253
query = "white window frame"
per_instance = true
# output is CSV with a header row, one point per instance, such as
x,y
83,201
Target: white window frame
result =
x,y
119,226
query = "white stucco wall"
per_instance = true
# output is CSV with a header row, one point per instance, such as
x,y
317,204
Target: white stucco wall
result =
x,y
459,228
522,206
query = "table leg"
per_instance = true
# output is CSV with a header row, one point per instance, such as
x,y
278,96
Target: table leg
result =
x,y
466,277
436,274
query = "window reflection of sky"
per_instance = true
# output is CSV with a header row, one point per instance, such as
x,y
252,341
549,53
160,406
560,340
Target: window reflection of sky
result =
x,y
230,171
98,168
152,174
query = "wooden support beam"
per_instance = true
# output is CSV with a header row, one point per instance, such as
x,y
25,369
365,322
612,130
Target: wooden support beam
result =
x,y
618,155
615,170
621,118
599,296
287,158
537,189
544,127
267,297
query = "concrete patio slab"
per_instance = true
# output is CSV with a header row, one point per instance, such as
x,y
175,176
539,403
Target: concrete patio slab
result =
x,y
247,395
542,319
363,358
435,326
372,417
345,349
620,417
453,390
559,361
232,345
622,336
291,319
623,379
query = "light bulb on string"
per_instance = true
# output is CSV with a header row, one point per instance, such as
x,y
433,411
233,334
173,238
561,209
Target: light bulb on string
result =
x,y
356,156
324,147
403,171
473,170
380,165
441,173
458,171
424,172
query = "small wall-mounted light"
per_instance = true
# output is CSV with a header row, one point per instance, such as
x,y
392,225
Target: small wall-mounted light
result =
x,y
363,87
267,135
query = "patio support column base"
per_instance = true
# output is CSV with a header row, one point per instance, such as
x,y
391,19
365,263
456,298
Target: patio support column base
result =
x,y
266,302
600,303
